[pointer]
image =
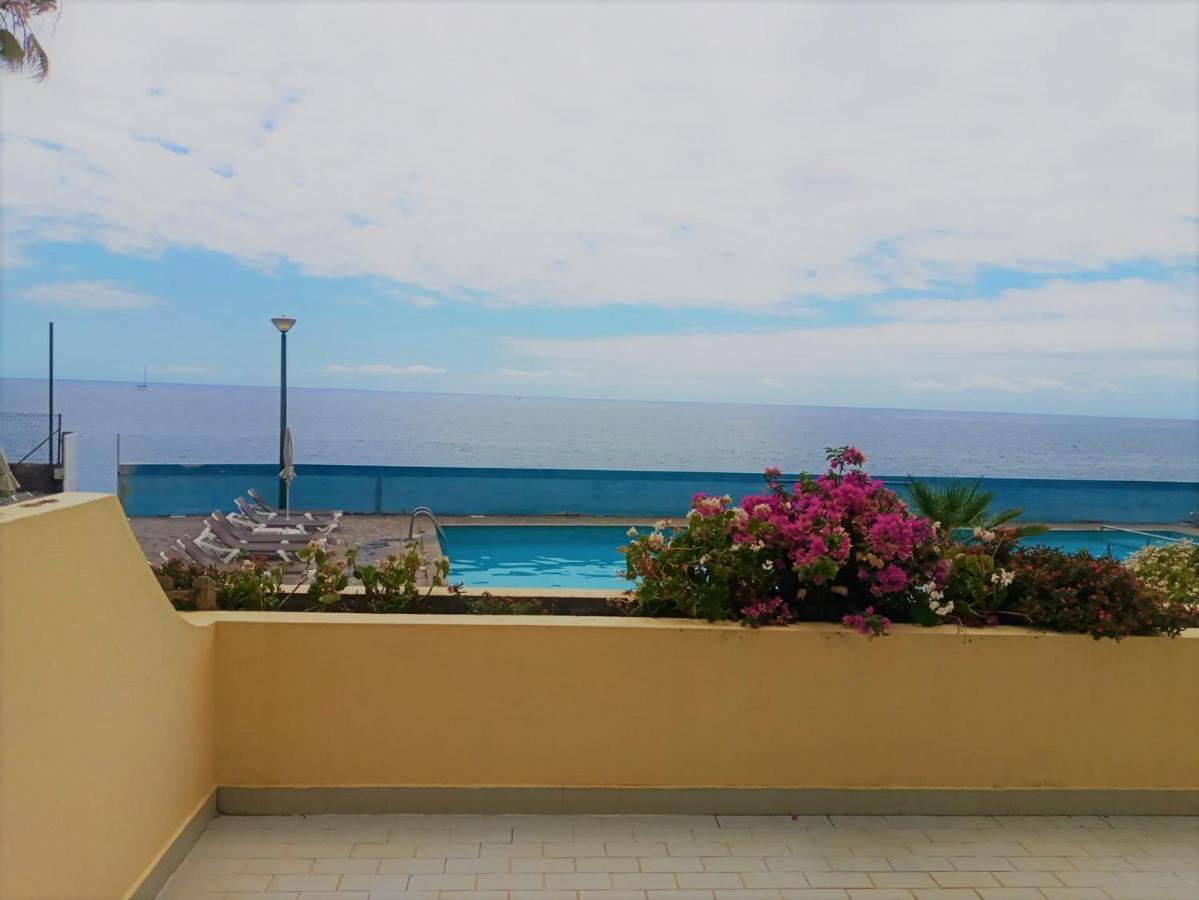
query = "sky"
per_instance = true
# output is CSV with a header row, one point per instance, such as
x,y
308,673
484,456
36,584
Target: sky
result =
x,y
944,206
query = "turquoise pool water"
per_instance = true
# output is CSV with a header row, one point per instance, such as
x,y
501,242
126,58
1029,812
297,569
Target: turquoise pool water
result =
x,y
1118,544
584,556
571,556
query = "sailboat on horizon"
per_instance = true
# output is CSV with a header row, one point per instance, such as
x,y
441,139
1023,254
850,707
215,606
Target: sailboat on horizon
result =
x,y
145,383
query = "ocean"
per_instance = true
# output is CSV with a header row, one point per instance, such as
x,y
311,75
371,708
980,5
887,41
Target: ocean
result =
x,y
186,423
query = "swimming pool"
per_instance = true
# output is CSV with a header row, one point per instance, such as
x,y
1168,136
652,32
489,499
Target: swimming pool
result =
x,y
568,556
1118,543
584,556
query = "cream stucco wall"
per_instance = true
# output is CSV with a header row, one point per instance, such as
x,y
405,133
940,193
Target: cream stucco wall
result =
x,y
457,701
107,715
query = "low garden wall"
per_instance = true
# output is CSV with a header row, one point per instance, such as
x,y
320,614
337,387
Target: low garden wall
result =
x,y
540,701
161,490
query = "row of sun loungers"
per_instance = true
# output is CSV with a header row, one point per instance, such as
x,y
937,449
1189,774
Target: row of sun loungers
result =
x,y
257,529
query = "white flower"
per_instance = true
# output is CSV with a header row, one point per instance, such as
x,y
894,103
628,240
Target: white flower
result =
x,y
941,609
1002,577
727,498
632,532
656,541
981,534
661,525
768,567
703,560
757,545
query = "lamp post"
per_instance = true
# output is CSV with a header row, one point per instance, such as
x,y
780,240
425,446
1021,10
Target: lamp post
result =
x,y
284,324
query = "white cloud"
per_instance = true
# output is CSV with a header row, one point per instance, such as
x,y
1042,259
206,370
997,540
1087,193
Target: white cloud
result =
x,y
88,295
1062,337
733,156
997,383
383,369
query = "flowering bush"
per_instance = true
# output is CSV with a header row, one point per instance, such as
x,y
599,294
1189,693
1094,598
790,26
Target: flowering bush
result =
x,y
1172,569
254,584
1096,596
977,589
817,550
390,586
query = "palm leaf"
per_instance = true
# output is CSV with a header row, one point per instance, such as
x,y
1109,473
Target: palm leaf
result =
x,y
36,57
10,50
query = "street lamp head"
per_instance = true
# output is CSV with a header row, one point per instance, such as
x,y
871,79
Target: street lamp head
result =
x,y
283,323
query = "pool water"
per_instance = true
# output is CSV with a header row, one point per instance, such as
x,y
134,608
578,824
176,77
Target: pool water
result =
x,y
570,556
584,556
1118,543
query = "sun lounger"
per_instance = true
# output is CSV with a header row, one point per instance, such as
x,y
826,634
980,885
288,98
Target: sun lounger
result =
x,y
257,520
205,555
250,541
327,514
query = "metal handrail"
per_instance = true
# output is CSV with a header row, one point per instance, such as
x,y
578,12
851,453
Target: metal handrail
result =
x,y
425,511
1148,534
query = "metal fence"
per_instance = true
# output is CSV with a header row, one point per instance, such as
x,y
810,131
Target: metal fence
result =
x,y
31,437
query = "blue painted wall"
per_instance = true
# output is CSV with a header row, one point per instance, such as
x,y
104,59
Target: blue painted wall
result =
x,y
161,490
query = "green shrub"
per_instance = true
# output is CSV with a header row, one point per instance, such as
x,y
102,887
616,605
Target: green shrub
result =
x,y
1096,596
1172,569
487,605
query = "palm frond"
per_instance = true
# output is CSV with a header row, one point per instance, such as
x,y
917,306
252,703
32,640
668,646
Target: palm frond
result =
x,y
11,51
36,58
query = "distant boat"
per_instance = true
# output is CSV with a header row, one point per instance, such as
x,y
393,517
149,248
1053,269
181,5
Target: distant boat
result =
x,y
145,385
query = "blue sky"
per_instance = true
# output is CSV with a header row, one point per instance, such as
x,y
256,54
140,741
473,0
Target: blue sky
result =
x,y
956,207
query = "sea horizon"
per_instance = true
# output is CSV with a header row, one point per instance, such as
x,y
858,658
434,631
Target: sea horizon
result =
x,y
154,383
184,423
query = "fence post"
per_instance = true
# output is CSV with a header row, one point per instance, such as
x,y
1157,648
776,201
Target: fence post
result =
x,y
205,589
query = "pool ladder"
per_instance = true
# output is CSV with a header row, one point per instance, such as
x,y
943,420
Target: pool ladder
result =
x,y
428,513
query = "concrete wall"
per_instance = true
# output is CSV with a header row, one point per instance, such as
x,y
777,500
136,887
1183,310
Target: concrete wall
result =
x,y
460,701
107,716
156,490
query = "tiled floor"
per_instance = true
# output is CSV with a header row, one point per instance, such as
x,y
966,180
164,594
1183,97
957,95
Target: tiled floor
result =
x,y
691,858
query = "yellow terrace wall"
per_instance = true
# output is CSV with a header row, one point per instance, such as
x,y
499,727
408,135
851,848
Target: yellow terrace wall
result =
x,y
359,700
106,705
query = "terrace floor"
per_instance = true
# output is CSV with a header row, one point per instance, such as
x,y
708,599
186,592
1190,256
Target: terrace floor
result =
x,y
385,857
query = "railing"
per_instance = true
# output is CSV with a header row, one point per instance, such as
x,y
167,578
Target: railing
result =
x,y
425,511
1148,534
31,437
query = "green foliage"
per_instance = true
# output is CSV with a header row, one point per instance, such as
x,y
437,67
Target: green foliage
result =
x,y
254,585
699,572
487,605
979,581
390,585
19,46
1095,596
960,506
1172,569
325,575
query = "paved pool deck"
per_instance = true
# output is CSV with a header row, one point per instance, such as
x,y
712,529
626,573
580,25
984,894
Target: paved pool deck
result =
x,y
437,857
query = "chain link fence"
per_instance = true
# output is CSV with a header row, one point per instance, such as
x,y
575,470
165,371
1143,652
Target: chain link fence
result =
x,y
30,438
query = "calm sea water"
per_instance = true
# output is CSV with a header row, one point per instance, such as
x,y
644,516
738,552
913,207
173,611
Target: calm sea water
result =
x,y
178,423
